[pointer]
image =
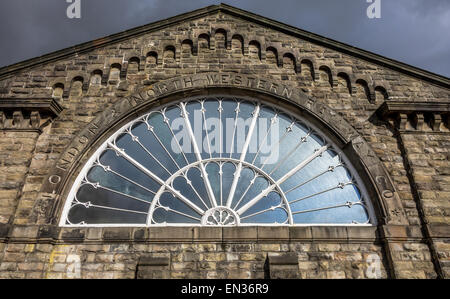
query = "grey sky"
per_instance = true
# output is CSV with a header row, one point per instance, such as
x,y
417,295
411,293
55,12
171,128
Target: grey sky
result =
x,y
416,32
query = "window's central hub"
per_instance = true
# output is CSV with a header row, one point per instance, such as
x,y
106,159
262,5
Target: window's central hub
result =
x,y
220,216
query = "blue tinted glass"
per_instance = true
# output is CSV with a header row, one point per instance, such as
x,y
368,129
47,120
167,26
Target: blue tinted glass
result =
x,y
250,168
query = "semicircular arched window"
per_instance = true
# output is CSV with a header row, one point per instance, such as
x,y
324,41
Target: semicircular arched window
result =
x,y
217,161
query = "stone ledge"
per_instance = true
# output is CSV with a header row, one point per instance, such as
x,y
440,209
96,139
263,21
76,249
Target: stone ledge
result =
x,y
140,234
170,234
439,231
329,232
72,234
27,115
117,233
43,105
362,232
241,233
24,232
300,233
400,232
413,117
46,233
4,230
395,106
210,234
272,232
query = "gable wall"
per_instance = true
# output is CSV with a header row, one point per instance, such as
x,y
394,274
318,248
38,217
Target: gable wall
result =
x,y
417,162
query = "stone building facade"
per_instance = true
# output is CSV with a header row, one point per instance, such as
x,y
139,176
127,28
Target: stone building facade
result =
x,y
391,119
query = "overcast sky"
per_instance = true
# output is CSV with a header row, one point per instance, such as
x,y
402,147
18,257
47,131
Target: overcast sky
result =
x,y
416,32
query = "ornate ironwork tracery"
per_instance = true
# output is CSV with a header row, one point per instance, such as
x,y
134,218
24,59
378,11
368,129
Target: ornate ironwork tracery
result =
x,y
217,161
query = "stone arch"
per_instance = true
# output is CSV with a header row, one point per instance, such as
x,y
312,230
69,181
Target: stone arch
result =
x,y
289,61
220,37
325,75
254,50
58,90
272,56
76,86
96,77
307,69
382,191
363,88
114,73
133,65
381,94
204,42
237,44
344,80
169,54
187,48
151,59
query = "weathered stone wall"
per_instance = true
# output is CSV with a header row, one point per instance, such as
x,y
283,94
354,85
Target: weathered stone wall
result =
x,y
88,83
201,253
17,150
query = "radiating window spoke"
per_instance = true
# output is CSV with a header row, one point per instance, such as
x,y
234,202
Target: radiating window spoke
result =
x,y
217,161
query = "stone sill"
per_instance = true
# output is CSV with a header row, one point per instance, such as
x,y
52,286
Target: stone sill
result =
x,y
54,234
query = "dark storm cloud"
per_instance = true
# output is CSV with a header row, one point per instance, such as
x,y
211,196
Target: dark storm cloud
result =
x,y
412,31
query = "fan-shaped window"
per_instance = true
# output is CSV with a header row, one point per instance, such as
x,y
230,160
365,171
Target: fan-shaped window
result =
x,y
217,161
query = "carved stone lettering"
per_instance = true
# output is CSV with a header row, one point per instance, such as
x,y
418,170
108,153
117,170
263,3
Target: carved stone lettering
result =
x,y
69,157
273,88
387,194
250,81
238,80
261,84
93,128
225,78
287,92
54,179
204,80
198,81
188,82
83,139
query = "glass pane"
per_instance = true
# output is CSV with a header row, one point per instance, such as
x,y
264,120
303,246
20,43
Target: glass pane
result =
x,y
290,173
